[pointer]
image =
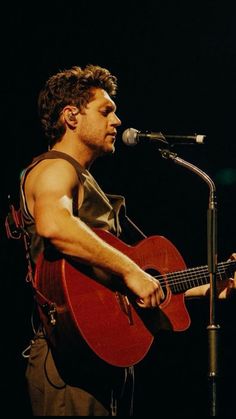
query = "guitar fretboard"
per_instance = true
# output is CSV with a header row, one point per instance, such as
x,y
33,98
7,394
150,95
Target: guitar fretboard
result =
x,y
181,281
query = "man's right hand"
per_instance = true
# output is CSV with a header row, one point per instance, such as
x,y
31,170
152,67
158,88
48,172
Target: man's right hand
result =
x,y
147,289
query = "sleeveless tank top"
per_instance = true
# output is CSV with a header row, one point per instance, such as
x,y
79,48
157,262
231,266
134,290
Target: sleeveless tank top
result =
x,y
98,209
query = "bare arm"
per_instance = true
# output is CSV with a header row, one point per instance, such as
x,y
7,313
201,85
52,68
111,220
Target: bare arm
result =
x,y
49,195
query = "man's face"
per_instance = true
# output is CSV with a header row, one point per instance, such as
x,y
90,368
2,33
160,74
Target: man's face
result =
x,y
97,123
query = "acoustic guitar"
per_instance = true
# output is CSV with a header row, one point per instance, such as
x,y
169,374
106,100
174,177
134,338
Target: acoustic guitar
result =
x,y
104,314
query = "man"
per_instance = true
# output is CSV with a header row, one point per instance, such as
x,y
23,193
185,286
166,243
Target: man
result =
x,y
61,203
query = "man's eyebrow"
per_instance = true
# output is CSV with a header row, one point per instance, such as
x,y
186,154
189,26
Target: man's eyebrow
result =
x,y
108,105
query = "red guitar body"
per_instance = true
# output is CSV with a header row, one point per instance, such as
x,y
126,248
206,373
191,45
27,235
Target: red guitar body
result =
x,y
109,321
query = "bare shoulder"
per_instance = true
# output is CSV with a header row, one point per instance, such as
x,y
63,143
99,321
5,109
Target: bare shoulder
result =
x,y
53,170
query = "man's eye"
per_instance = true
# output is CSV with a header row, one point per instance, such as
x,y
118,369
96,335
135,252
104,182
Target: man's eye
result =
x,y
105,112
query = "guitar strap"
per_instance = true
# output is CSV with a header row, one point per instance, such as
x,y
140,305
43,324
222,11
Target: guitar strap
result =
x,y
15,229
130,232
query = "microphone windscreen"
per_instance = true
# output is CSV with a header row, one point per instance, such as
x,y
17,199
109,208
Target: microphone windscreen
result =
x,y
130,136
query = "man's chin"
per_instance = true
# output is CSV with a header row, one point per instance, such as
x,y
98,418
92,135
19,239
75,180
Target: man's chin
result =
x,y
110,150
107,152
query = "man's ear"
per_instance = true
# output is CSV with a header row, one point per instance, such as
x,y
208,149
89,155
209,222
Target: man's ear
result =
x,y
69,114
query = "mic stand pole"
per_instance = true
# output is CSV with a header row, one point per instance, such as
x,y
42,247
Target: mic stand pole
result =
x,y
212,328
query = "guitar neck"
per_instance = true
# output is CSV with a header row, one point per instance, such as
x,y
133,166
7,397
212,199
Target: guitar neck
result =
x,y
181,281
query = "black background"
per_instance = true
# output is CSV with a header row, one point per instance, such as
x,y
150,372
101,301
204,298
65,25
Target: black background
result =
x,y
175,62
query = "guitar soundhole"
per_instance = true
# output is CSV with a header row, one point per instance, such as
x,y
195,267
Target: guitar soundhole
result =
x,y
156,274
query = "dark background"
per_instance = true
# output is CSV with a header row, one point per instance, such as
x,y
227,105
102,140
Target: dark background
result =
x,y
175,62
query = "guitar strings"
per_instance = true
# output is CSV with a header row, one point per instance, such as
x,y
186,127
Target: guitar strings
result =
x,y
202,273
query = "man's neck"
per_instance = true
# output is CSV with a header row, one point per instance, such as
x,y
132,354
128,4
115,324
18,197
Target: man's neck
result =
x,y
81,154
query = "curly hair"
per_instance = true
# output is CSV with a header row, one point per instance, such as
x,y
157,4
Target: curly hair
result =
x,y
70,87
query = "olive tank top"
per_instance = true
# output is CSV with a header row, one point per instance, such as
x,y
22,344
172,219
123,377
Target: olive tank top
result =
x,y
98,209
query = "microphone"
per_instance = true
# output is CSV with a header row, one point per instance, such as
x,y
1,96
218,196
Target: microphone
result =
x,y
132,136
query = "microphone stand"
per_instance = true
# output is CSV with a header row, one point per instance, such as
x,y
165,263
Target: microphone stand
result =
x,y
212,328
